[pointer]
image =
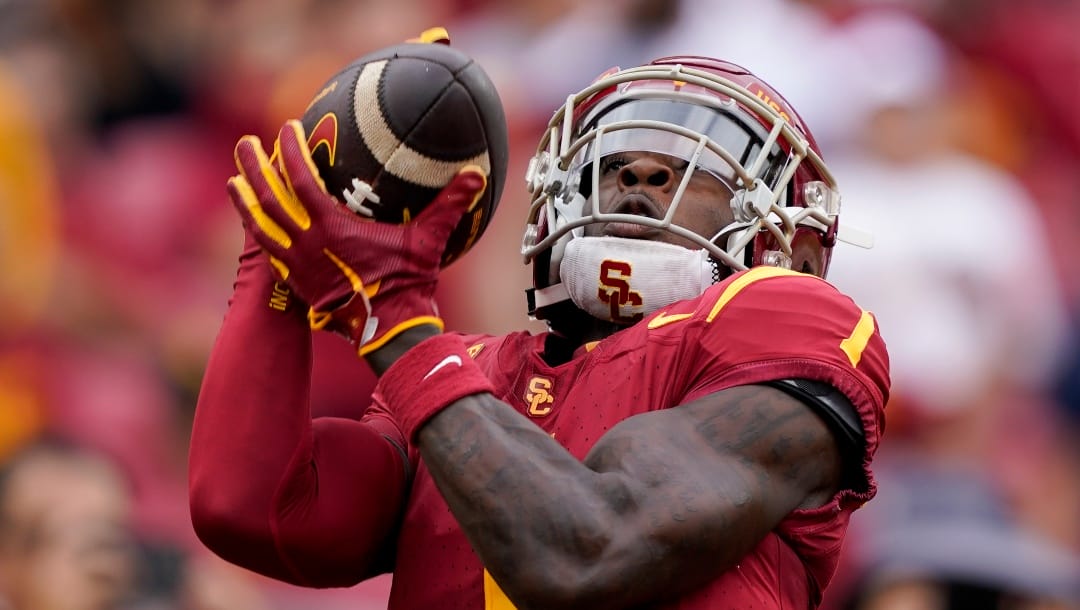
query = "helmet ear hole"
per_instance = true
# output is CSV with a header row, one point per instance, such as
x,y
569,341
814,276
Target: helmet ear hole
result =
x,y
808,252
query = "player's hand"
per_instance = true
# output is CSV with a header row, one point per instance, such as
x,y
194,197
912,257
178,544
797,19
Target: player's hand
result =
x,y
366,280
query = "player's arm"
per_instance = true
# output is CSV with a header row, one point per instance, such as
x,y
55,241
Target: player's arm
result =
x,y
310,503
663,503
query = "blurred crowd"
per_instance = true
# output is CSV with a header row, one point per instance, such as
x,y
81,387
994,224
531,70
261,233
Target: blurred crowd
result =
x,y
949,124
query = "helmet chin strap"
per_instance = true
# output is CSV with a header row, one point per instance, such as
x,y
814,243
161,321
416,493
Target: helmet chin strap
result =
x,y
623,280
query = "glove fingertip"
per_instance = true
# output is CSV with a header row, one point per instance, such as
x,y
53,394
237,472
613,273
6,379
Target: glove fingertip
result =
x,y
472,172
470,184
244,153
238,189
235,181
297,128
292,137
248,140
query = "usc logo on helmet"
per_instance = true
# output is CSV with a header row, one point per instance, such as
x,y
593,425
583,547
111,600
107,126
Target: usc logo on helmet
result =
x,y
771,103
538,396
615,290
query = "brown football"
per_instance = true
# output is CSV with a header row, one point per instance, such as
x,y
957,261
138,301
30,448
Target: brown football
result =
x,y
392,128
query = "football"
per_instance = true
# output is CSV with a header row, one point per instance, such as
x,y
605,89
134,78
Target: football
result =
x,y
392,128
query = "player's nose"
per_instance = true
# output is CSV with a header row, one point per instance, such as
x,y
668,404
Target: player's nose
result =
x,y
647,171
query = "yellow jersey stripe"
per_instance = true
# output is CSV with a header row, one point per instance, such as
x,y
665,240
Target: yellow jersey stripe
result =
x,y
854,345
753,275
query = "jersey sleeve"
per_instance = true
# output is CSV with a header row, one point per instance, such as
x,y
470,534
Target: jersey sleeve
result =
x,y
767,324
309,502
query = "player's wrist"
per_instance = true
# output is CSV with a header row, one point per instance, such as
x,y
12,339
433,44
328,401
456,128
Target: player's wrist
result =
x,y
351,320
400,303
429,377
384,355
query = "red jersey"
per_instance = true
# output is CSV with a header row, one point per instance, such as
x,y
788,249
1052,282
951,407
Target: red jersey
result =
x,y
327,502
760,325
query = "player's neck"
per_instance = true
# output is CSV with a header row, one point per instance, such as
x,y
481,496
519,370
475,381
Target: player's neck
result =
x,y
571,333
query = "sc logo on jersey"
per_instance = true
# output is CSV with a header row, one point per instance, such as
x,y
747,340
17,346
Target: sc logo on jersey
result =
x,y
616,293
538,396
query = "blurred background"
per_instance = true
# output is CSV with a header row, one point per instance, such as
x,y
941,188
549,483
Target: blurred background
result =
x,y
950,124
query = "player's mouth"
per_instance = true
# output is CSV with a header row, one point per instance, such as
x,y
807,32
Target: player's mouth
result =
x,y
634,204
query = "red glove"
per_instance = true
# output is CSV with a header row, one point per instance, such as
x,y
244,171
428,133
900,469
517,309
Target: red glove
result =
x,y
365,280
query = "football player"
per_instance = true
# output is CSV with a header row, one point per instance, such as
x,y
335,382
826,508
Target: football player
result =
x,y
694,431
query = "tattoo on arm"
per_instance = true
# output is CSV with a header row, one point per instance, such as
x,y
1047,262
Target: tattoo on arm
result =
x,y
663,502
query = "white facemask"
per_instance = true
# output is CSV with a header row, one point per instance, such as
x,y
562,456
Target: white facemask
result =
x,y
622,280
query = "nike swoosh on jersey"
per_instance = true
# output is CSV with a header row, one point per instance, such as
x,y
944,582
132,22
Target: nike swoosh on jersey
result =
x,y
451,359
663,319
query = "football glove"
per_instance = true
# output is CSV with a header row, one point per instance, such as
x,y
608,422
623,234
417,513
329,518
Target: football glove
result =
x,y
365,280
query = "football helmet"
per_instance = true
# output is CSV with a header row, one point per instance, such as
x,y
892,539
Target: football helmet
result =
x,y
719,118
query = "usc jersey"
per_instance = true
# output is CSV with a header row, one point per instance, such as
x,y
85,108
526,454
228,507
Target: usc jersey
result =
x,y
759,325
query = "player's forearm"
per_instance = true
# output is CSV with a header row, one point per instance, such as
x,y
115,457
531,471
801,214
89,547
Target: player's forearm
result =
x,y
556,532
550,529
251,414
267,490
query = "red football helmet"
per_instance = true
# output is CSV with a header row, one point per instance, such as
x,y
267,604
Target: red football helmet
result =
x,y
713,114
